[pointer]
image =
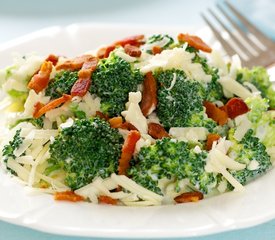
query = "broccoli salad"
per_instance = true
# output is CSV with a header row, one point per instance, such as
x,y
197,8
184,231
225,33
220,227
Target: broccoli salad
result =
x,y
143,121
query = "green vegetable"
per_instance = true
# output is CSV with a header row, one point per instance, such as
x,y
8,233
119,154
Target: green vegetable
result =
x,y
173,160
258,106
61,84
263,121
181,105
160,38
12,146
76,111
248,149
112,81
37,122
8,150
213,89
259,77
87,149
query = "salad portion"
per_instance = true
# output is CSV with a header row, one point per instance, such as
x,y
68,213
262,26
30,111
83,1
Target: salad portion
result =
x,y
143,121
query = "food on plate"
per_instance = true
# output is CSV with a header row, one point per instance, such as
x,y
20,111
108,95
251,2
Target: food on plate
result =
x,y
143,121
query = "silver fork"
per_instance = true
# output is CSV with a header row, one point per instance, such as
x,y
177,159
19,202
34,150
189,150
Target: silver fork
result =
x,y
253,47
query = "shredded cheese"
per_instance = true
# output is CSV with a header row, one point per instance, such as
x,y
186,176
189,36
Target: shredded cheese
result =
x,y
193,134
177,58
133,114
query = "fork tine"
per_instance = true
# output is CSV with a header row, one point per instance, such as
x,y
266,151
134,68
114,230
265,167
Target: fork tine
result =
x,y
237,41
240,31
249,26
229,50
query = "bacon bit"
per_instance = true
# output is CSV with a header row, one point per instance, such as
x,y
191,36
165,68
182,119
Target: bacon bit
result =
x,y
189,197
82,85
218,115
37,107
90,64
68,196
127,151
156,50
149,95
194,42
235,107
101,115
128,126
84,73
135,40
212,137
132,51
105,51
75,63
51,105
115,122
52,58
40,80
157,131
107,200
223,108
101,52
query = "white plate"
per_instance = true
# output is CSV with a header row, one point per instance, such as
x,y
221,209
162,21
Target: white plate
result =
x,y
222,213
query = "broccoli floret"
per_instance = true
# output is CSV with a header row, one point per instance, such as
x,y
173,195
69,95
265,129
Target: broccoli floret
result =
x,y
112,81
8,150
258,106
87,149
12,146
247,150
61,84
172,160
263,121
213,89
180,101
259,77
37,122
165,41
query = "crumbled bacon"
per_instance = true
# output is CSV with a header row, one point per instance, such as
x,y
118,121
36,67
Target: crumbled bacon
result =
x,y
40,80
157,131
132,51
115,122
195,42
212,137
75,63
215,113
149,95
37,107
52,58
128,126
105,51
135,40
156,50
82,85
51,105
189,197
235,107
107,200
68,196
127,151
